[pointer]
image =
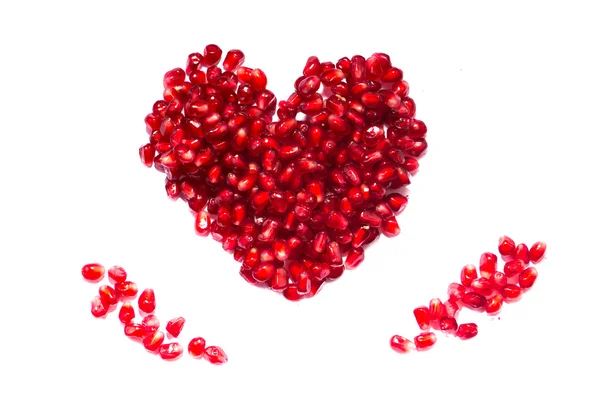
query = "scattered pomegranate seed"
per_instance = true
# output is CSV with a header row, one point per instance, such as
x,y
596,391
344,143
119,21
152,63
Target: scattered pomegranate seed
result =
x,y
537,252
117,274
513,267
487,265
482,286
108,295
150,323
448,324
506,246
126,289
93,272
147,301
511,292
196,347
474,300
135,330
126,313
215,355
170,351
494,304
425,340
175,326
466,331
423,317
527,277
521,253
153,341
456,291
99,309
468,274
401,344
436,309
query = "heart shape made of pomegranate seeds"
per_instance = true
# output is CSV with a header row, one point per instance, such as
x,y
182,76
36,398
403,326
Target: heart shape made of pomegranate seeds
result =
x,y
295,200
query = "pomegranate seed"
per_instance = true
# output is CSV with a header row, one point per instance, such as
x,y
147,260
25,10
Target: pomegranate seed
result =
x,y
482,286
423,317
170,351
468,274
233,60
291,293
303,283
487,264
147,301
93,272
215,355
202,224
511,292
425,340
436,309
494,304
527,277
537,252
448,324
134,330
466,331
451,308
108,295
117,274
196,347
401,344
264,272
126,313
506,246
514,267
390,227
474,300
212,55
150,323
355,258
153,341
456,291
521,253
498,280
126,289
147,153
99,309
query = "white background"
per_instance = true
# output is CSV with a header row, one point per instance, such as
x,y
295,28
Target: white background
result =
x,y
510,96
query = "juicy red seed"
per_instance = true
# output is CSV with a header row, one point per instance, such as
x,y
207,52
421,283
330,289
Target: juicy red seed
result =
x,y
390,227
126,313
401,344
466,331
126,289
175,326
147,153
99,308
336,220
425,340
147,301
135,330
423,317
506,246
117,274
108,295
487,264
202,224
291,293
396,201
212,55
93,272
233,60
303,283
456,291
258,80
451,308
511,292
498,280
537,252
170,351
494,304
474,300
513,267
150,323
468,274
264,272
482,286
354,258
153,341
521,253
215,355
436,309
196,347
448,324
527,277
312,67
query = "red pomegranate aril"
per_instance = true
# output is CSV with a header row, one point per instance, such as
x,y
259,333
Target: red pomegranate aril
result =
x,y
312,67
109,295
511,292
202,224
233,60
196,347
487,264
436,309
537,252
175,326
468,274
212,55
448,324
336,220
291,293
494,304
482,286
396,201
153,341
513,267
126,289
506,246
401,344
215,355
333,253
147,301
126,313
521,253
303,283
354,258
93,272
279,280
390,227
264,272
498,280
99,308
423,317
170,351
117,274
425,340
147,154
369,218
466,331
456,291
258,80
527,277
135,330
452,308
473,300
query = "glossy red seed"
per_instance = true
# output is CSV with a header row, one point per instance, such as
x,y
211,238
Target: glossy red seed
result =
x,y
390,227
456,291
170,351
93,272
354,258
401,344
150,323
147,154
494,304
215,355
537,252
147,301
482,286
423,317
448,324
153,341
291,293
202,224
196,347
473,300
527,277
264,272
466,331
487,264
212,55
126,313
126,289
452,308
134,330
498,280
436,309
425,340
108,295
468,274
98,308
175,326
303,283
511,292
117,274
506,246
521,253
233,60
513,267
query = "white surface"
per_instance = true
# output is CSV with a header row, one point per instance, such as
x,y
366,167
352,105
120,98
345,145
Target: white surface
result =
x,y
510,97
